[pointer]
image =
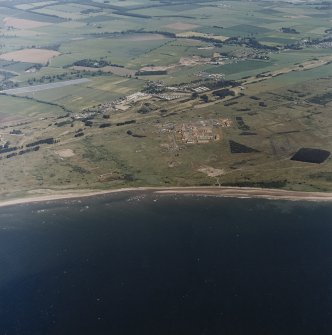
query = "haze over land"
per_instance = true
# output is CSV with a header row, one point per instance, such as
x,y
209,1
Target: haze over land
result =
x,y
113,94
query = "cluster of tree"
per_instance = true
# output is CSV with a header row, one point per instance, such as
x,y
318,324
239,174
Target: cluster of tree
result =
x,y
323,5
92,63
146,108
91,10
105,125
134,31
7,84
130,133
241,124
63,123
20,153
57,77
142,31
321,99
34,67
222,83
126,122
49,140
7,75
151,73
45,102
7,143
316,41
288,30
63,116
250,42
223,93
154,87
125,13
231,103
262,184
310,42
264,74
7,149
207,39
88,120
23,152
16,132
12,155
204,97
253,43
248,133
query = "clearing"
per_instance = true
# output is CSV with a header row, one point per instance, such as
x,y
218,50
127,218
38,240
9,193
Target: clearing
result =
x,y
210,171
23,24
65,153
41,56
181,26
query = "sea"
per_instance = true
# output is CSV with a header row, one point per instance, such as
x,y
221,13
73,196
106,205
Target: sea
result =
x,y
144,264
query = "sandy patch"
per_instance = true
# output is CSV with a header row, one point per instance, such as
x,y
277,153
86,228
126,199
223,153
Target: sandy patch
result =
x,y
298,68
65,153
119,71
189,34
211,172
23,33
41,56
233,192
184,61
180,26
23,24
122,107
143,37
194,60
295,16
155,68
26,6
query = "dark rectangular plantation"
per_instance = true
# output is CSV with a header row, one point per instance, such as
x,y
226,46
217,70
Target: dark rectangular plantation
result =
x,y
238,148
310,155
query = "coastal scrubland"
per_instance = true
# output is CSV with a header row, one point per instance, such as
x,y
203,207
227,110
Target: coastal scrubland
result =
x,y
174,94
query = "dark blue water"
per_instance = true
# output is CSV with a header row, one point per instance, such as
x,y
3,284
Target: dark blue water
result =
x,y
166,265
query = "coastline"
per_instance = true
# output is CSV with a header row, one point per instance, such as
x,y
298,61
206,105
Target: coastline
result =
x,y
230,192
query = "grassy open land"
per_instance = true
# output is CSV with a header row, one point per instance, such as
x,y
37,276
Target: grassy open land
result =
x,y
173,94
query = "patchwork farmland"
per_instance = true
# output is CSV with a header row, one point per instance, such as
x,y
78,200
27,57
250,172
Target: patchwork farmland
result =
x,y
133,93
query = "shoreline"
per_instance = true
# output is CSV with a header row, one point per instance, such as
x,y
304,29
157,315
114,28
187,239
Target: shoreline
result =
x,y
229,192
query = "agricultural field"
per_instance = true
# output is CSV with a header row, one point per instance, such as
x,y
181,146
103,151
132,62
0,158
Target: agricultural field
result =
x,y
108,94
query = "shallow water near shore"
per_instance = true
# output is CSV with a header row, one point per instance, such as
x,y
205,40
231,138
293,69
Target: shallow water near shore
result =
x,y
142,263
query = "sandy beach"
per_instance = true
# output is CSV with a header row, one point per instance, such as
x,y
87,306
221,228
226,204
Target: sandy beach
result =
x,y
234,192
